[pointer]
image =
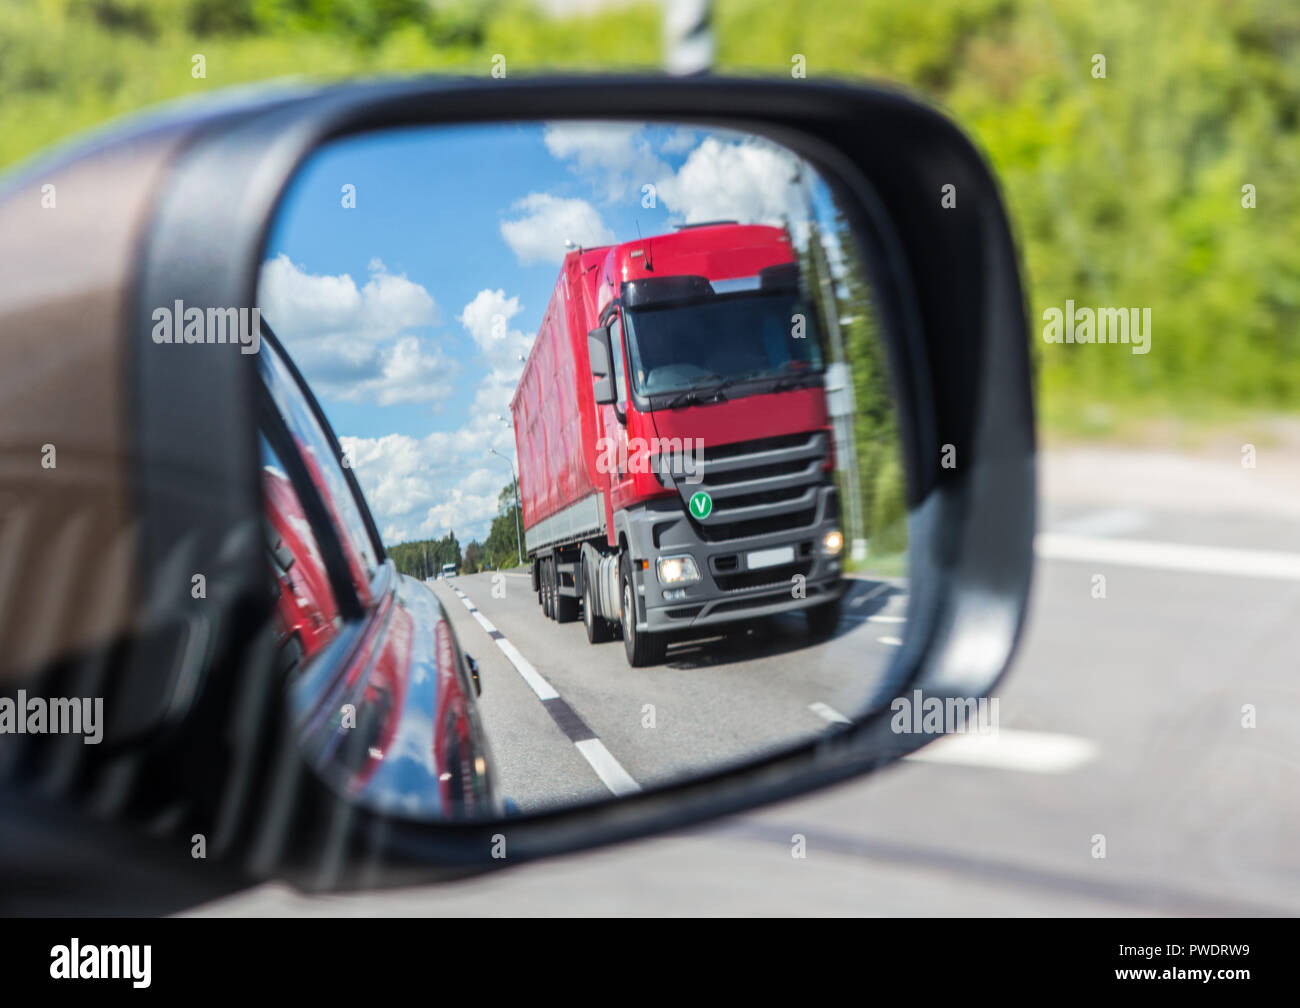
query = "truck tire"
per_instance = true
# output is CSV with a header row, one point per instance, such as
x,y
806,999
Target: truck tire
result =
x,y
597,626
548,594
642,648
824,620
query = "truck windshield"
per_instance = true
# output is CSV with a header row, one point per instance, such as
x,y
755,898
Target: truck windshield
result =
x,y
678,346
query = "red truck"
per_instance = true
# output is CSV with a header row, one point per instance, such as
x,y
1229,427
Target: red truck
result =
x,y
675,452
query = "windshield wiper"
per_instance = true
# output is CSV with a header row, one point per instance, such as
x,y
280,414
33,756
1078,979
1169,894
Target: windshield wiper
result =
x,y
792,378
698,395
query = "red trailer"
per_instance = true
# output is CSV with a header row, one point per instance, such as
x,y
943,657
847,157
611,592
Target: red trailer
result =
x,y
675,454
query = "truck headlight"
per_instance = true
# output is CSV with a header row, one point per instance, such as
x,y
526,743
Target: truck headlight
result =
x,y
678,570
833,543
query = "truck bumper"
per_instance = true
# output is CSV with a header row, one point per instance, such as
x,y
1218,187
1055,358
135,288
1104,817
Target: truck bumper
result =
x,y
734,584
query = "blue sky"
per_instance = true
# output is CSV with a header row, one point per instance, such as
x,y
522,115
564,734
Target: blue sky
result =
x,y
409,311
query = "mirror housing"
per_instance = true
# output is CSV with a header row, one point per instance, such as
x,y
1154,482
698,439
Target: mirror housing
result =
x,y
598,352
212,176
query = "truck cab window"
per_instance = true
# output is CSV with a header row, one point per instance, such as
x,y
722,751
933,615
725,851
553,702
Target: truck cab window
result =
x,y
749,336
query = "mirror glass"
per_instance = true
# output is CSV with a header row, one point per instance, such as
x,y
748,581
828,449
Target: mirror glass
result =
x,y
581,469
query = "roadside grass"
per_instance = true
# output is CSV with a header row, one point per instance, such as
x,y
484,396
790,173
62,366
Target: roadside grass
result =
x,y
888,565
1157,421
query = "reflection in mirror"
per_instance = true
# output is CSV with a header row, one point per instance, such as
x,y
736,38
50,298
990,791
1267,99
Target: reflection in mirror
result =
x,y
610,400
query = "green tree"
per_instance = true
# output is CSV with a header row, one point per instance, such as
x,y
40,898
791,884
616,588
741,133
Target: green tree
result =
x,y
499,548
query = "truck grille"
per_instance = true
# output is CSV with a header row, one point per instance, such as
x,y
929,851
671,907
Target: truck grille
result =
x,y
761,487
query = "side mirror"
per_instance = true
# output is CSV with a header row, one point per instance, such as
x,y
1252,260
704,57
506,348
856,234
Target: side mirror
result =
x,y
601,368
187,428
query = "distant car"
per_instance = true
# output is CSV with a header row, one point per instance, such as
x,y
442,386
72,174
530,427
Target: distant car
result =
x,y
449,570
383,696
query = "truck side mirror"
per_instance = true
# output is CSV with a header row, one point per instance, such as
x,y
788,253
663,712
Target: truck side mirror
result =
x,y
598,352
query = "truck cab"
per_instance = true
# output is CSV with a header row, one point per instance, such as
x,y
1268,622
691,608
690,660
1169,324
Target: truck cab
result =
x,y
709,446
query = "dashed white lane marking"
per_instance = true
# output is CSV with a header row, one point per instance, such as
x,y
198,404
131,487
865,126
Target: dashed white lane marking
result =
x,y
891,641
1031,752
1169,556
607,768
828,713
536,681
602,761
886,619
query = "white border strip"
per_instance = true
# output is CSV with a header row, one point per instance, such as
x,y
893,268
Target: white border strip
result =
x,y
1169,556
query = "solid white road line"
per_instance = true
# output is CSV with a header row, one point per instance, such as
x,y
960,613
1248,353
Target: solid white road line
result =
x,y
828,713
1169,556
1112,522
543,689
886,619
607,768
1032,752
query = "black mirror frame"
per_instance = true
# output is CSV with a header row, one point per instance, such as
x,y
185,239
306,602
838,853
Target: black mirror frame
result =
x,y
953,314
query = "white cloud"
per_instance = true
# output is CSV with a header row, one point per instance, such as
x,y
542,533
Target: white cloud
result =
x,y
356,343
751,181
486,319
548,221
421,488
616,158
502,349
678,141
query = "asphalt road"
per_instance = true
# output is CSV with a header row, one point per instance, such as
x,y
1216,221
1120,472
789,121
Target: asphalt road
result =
x,y
1124,717
716,700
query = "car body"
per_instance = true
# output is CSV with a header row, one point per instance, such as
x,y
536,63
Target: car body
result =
x,y
382,695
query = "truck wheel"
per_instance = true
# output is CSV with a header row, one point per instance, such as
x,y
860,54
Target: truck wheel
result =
x,y
597,626
548,589
824,620
642,648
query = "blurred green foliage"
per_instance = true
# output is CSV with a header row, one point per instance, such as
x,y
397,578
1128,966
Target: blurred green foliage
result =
x,y
423,558
1124,191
